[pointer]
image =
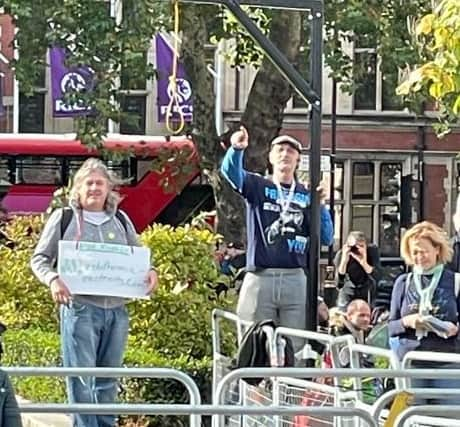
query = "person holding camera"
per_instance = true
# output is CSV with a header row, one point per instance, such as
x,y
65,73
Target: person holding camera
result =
x,y
358,270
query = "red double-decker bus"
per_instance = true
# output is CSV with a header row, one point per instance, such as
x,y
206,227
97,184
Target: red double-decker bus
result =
x,y
33,166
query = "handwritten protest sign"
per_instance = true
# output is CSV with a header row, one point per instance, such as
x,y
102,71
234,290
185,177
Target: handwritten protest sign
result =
x,y
89,268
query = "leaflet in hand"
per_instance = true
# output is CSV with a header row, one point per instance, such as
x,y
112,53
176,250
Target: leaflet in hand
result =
x,y
439,327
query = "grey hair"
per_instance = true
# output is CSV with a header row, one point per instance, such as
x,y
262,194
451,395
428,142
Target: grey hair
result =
x,y
96,165
359,236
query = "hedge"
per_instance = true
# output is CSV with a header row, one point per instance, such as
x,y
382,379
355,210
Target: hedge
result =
x,y
35,347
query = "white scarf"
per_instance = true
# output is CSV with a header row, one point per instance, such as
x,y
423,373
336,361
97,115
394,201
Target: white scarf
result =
x,y
426,294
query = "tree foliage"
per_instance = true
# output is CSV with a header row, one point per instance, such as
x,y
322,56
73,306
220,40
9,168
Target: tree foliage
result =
x,y
94,38
437,37
111,48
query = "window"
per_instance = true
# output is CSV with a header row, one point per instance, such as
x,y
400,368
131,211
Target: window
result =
x,y
338,201
135,106
375,203
365,60
367,198
49,170
32,108
133,79
375,83
363,180
31,113
389,209
38,170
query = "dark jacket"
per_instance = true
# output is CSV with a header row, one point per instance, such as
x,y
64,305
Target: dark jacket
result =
x,y
404,301
9,411
355,275
454,265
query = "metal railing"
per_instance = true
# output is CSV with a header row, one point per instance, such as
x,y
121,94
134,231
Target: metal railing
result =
x,y
427,410
292,373
377,408
118,408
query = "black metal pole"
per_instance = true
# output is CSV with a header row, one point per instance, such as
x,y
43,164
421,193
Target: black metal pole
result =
x,y
330,252
301,86
421,146
316,58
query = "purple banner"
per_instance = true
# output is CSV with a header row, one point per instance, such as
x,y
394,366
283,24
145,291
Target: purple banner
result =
x,y
184,104
67,80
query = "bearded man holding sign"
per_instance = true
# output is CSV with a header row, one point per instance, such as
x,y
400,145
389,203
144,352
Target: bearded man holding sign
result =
x,y
100,264
278,233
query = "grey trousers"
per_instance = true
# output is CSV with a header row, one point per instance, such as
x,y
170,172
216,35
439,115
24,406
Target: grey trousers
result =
x,y
275,293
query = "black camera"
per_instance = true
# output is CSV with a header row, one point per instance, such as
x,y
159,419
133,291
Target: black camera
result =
x,y
354,249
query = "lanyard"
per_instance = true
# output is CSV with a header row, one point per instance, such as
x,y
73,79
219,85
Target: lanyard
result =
x,y
283,201
426,295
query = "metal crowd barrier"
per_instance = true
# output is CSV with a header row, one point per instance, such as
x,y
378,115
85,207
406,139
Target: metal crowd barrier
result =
x,y
293,373
219,360
140,409
285,381
385,399
428,356
428,410
347,372
357,351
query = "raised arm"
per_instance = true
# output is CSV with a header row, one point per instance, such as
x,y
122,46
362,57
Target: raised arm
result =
x,y
232,165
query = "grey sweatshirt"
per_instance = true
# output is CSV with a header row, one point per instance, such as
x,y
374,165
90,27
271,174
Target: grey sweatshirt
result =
x,y
43,260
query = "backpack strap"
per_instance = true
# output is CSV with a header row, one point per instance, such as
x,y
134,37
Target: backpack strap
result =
x,y
457,284
122,218
67,214
408,280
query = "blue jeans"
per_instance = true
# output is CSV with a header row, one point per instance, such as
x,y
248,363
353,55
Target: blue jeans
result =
x,y
434,383
92,336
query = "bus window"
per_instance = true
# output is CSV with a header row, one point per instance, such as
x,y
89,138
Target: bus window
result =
x,y
38,170
121,168
4,175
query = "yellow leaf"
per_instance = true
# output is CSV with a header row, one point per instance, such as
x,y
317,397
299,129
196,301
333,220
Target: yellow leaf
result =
x,y
448,83
403,88
456,107
435,90
425,25
441,36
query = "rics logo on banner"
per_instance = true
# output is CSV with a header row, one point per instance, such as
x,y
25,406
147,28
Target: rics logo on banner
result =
x,y
71,83
182,105
184,96
66,81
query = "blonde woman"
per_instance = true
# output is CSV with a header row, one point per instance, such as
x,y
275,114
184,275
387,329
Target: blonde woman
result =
x,y
428,292
94,329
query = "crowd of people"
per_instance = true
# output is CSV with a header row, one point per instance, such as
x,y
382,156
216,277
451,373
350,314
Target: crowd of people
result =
x,y
423,313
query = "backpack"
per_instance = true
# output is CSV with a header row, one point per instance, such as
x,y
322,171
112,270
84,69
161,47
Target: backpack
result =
x,y
254,350
67,215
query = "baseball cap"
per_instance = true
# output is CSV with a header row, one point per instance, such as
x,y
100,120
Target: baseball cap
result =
x,y
286,139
